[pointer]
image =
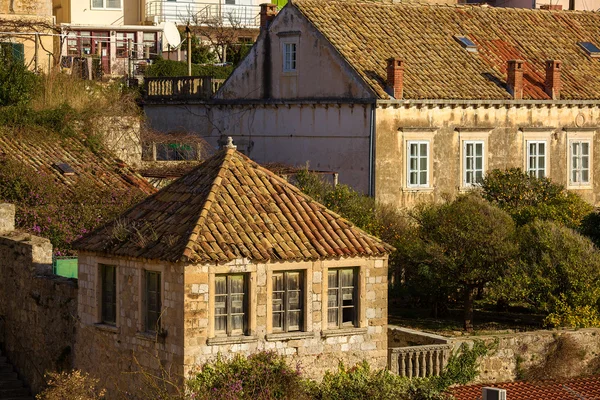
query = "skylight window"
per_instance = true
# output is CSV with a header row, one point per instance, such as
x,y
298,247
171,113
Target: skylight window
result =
x,y
65,169
466,43
590,48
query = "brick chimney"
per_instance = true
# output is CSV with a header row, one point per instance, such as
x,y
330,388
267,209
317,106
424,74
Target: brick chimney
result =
x,y
553,83
267,13
514,78
395,76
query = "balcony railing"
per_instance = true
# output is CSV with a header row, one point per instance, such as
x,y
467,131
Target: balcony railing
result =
x,y
181,88
203,14
419,361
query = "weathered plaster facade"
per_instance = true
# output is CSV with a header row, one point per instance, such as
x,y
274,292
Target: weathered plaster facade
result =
x,y
329,137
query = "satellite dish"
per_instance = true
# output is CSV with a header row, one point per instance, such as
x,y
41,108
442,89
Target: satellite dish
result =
x,y
171,34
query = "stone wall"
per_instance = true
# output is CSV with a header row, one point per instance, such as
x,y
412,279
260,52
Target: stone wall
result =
x,y
122,136
317,347
122,355
538,355
404,337
37,309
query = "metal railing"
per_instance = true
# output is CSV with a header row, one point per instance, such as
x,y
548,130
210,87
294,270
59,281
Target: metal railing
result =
x,y
203,14
181,88
419,361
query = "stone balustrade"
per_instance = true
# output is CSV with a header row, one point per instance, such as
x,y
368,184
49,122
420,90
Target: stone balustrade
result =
x,y
181,88
419,361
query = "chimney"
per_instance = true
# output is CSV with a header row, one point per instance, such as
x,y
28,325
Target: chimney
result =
x,y
553,84
267,13
7,218
395,76
514,79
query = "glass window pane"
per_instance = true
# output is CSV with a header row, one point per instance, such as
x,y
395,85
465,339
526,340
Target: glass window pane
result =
x,y
237,303
479,163
469,149
423,165
423,178
347,277
542,149
294,301
278,282
574,177
237,323
294,321
332,279
585,148
585,177
413,150
220,285
237,284
423,149
479,149
278,320
413,178
585,162
98,3
348,296
332,298
220,323
293,282
332,316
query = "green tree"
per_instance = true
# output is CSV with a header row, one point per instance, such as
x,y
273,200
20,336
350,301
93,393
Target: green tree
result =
x,y
526,198
17,84
558,273
467,244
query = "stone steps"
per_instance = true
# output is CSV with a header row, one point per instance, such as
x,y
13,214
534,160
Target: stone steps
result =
x,y
11,387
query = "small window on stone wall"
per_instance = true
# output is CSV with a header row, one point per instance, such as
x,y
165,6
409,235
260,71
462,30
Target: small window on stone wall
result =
x,y
108,274
288,301
342,298
231,305
152,301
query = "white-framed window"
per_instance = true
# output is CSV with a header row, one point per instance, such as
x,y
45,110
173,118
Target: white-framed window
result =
x,y
579,162
417,163
106,4
289,57
536,158
473,162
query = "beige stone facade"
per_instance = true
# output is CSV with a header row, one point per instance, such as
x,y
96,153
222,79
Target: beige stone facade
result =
x,y
188,338
506,131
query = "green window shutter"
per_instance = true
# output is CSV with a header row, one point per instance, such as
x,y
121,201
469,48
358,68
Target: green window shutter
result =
x,y
18,52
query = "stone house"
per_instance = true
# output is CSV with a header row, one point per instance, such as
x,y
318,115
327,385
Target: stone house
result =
x,y
229,259
409,102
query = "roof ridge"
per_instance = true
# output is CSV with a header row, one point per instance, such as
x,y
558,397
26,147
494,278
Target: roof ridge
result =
x,y
212,193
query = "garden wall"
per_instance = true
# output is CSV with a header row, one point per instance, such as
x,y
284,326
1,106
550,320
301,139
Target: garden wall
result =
x,y
538,355
404,337
37,309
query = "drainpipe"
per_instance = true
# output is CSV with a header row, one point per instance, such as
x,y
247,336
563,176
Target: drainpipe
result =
x,y
372,152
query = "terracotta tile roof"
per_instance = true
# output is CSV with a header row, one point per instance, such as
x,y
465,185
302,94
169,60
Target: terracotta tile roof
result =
x,y
100,168
367,33
228,208
566,389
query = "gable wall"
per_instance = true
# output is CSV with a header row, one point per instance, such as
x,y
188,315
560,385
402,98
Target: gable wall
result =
x,y
505,129
329,137
317,348
321,72
115,354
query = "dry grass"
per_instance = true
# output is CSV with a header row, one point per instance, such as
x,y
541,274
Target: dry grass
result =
x,y
88,97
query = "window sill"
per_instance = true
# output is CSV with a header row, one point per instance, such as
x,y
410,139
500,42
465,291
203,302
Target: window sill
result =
x,y
230,340
417,189
108,328
343,332
580,187
290,73
277,337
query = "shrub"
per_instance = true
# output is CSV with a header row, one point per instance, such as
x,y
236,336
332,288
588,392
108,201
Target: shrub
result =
x,y
264,375
466,244
558,273
360,382
17,84
526,198
71,385
165,68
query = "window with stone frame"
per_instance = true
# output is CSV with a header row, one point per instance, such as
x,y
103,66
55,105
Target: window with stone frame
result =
x,y
288,301
579,162
289,57
108,297
231,304
417,163
152,300
342,298
536,158
473,162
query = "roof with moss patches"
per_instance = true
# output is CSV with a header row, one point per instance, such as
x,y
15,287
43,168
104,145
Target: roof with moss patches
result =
x,y
229,208
436,66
